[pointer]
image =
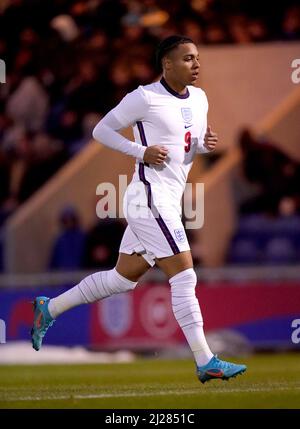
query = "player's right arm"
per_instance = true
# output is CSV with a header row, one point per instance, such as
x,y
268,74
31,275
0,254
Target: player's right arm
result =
x,y
131,109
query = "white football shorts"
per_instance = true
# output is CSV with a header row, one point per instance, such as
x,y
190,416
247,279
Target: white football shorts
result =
x,y
155,229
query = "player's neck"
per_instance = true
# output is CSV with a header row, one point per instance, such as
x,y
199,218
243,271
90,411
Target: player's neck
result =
x,y
175,85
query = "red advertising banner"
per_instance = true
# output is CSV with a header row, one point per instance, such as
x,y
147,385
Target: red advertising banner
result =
x,y
144,318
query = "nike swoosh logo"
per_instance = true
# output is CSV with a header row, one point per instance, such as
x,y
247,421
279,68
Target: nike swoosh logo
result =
x,y
38,322
188,126
215,374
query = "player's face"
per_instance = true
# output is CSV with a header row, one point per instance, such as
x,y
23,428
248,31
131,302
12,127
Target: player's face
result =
x,y
184,63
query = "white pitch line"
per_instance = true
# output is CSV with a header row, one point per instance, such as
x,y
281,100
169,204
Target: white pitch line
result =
x,y
146,394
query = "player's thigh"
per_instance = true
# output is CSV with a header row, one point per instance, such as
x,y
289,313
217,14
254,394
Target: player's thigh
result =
x,y
174,264
132,267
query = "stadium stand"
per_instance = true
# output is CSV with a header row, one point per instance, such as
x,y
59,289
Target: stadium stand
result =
x,y
268,230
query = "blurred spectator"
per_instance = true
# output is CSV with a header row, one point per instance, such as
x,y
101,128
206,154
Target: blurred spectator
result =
x,y
84,93
28,104
43,157
266,165
258,31
103,242
192,29
68,248
288,207
68,127
238,29
89,122
291,23
66,27
268,230
121,80
4,178
215,33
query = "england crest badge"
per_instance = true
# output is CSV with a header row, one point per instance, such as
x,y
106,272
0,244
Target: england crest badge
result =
x,y
187,114
180,235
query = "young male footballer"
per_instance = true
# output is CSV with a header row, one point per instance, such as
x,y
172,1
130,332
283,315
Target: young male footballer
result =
x,y
169,120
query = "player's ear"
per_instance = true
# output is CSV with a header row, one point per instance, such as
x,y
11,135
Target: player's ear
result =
x,y
167,63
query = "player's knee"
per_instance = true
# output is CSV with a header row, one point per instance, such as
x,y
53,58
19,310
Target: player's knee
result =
x,y
121,283
185,304
186,279
132,276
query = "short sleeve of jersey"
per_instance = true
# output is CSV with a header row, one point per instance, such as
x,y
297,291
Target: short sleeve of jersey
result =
x,y
132,108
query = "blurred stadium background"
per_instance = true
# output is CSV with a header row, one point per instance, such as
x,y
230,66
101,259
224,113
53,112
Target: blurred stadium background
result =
x,y
67,64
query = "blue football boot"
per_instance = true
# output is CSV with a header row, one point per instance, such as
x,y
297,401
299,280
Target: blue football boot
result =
x,y
217,368
42,321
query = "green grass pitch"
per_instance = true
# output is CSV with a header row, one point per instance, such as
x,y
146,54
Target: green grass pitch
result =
x,y
272,381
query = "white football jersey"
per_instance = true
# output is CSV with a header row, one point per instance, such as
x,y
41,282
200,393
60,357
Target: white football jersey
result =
x,y
161,116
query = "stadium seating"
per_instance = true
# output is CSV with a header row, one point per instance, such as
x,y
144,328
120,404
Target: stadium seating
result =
x,y
262,240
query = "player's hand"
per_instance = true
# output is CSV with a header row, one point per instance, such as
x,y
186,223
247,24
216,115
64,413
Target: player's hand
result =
x,y
210,139
155,155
